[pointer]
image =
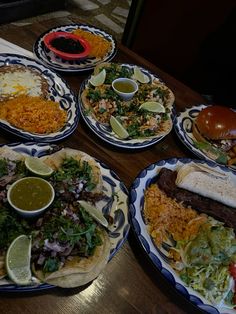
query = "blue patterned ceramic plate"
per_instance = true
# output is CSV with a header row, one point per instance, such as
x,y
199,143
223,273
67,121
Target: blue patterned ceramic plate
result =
x,y
142,181
55,62
58,91
115,205
183,123
105,132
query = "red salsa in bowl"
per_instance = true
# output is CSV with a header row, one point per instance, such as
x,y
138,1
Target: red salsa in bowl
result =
x,y
66,45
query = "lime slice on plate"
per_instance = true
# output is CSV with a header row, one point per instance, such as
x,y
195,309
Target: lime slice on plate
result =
x,y
38,167
140,76
99,79
94,212
18,260
118,128
153,106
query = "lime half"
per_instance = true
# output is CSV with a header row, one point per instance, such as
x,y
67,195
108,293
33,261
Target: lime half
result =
x,y
18,260
153,106
38,167
99,79
94,212
140,76
118,128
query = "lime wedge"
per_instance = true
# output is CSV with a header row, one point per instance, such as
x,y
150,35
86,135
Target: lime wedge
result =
x,y
94,212
99,79
140,76
37,166
153,106
18,260
118,128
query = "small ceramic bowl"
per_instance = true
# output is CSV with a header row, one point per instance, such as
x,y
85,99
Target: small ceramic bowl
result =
x,y
67,39
125,87
30,196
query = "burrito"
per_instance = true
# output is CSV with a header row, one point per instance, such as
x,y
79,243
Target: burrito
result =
x,y
207,182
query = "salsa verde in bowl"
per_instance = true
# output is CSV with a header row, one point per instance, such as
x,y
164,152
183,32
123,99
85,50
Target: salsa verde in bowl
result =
x,y
30,196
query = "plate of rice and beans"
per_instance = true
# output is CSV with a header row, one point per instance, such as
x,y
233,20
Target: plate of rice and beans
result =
x,y
183,214
103,48
35,102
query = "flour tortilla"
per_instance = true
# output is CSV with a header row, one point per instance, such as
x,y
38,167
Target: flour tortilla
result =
x,y
79,271
55,160
8,153
207,182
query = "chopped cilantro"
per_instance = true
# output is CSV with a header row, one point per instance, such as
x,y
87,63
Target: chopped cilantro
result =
x,y
3,167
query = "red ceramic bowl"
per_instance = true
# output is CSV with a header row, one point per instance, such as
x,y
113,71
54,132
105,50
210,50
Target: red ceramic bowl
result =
x,y
67,42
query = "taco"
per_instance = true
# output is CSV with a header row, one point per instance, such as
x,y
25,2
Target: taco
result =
x,y
69,247
56,160
11,225
78,270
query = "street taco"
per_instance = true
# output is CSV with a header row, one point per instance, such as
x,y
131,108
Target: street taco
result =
x,y
69,247
79,271
55,161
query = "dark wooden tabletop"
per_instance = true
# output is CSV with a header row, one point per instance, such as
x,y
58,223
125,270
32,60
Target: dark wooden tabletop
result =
x,y
130,283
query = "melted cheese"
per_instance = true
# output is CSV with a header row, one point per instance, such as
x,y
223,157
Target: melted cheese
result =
x,y
20,82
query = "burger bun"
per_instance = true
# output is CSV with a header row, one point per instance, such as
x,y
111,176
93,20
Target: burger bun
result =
x,y
215,123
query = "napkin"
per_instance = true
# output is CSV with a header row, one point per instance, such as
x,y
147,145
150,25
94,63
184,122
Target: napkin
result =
x,y
8,47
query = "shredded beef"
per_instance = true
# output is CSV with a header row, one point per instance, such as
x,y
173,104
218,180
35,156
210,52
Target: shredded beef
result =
x,y
166,182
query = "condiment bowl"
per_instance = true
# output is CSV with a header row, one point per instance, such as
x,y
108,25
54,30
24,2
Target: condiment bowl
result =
x,y
30,196
68,38
125,87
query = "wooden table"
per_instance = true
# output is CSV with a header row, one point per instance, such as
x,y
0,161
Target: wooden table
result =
x,y
130,283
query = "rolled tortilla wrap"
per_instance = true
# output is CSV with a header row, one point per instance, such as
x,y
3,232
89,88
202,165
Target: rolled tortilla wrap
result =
x,y
207,182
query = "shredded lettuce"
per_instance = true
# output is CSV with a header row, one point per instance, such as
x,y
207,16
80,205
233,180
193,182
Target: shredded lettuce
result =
x,y
212,152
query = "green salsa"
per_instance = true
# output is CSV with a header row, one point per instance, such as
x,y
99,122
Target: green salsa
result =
x,y
30,193
124,86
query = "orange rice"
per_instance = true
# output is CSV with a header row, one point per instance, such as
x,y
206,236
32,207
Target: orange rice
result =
x,y
165,216
33,114
99,45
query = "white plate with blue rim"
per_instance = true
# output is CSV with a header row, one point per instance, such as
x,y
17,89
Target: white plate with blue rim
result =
x,y
105,132
183,124
143,180
51,60
115,204
59,91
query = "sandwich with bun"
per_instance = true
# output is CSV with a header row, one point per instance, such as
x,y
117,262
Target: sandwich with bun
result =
x,y
215,132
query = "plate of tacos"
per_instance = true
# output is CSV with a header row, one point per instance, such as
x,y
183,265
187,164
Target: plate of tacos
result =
x,y
78,234
183,214
35,103
136,122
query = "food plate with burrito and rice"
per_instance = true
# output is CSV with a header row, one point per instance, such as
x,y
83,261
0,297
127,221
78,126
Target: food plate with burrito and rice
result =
x,y
83,228
103,48
183,214
35,102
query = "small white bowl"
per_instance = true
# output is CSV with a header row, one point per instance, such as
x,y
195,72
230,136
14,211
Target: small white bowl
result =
x,y
27,189
125,87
